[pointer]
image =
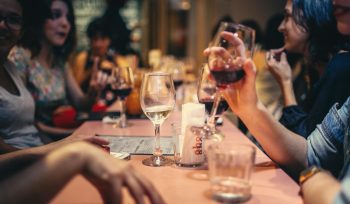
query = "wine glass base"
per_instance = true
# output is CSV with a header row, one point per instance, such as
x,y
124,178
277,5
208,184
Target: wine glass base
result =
x,y
156,161
122,125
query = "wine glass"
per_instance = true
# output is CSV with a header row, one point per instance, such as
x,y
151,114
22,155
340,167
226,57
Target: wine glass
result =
x,y
206,93
178,71
122,84
231,46
157,102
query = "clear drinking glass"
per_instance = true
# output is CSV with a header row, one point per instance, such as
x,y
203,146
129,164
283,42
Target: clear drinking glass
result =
x,y
122,85
230,168
227,55
157,102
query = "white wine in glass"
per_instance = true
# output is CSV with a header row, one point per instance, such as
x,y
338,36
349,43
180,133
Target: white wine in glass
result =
x,y
157,102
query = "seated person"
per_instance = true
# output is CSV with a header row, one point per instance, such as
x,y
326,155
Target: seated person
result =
x,y
99,48
326,147
46,43
82,64
312,33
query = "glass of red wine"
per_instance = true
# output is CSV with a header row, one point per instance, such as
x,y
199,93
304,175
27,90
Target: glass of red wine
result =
x,y
178,72
232,45
206,93
121,85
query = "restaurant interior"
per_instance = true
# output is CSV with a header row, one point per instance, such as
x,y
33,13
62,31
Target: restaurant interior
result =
x,y
174,101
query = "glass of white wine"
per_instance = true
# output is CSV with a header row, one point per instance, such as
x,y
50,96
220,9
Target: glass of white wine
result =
x,y
157,102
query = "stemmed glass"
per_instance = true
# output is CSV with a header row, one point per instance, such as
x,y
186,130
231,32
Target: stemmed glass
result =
x,y
122,84
206,93
227,54
178,71
157,102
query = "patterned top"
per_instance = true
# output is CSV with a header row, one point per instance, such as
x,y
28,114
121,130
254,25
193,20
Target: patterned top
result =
x,y
47,86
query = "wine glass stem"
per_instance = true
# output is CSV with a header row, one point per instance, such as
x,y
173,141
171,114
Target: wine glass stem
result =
x,y
157,150
122,114
211,121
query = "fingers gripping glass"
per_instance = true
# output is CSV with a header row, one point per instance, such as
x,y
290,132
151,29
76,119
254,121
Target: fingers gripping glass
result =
x,y
12,22
231,46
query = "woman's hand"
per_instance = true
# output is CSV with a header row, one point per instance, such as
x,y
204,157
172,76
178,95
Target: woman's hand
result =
x,y
219,57
98,78
278,65
241,95
110,175
95,140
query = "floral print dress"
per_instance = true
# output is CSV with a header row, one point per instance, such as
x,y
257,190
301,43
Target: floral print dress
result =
x,y
47,86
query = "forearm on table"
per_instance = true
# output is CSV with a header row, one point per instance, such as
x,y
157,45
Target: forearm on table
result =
x,y
5,148
288,93
59,132
282,145
15,161
45,177
320,188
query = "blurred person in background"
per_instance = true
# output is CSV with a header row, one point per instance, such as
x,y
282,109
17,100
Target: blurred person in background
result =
x,y
311,31
121,40
82,64
47,42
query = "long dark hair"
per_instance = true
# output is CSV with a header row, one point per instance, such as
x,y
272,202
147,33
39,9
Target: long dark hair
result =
x,y
34,29
316,17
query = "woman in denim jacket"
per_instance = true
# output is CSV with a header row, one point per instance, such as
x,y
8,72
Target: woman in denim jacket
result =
x,y
327,146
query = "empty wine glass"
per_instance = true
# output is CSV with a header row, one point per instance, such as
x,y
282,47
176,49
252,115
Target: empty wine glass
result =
x,y
157,102
122,84
231,46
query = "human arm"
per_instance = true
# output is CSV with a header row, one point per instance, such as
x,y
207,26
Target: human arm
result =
x,y
282,145
57,132
321,188
107,174
282,72
5,148
97,83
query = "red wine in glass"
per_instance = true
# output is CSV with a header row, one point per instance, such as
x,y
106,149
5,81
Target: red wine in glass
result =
x,y
178,83
208,103
122,92
226,77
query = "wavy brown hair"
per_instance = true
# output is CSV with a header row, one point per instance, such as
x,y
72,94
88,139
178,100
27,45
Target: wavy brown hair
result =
x,y
33,29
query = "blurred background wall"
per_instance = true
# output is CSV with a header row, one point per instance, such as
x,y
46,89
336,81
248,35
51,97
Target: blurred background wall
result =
x,y
182,28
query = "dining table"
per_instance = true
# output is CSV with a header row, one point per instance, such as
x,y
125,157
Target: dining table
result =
x,y
181,185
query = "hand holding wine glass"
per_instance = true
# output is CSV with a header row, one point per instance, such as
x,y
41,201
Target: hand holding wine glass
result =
x,y
157,102
231,46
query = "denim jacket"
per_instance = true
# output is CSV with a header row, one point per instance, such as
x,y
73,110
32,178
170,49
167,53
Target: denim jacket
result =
x,y
329,147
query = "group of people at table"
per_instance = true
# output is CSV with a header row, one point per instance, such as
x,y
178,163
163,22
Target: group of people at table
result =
x,y
43,32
